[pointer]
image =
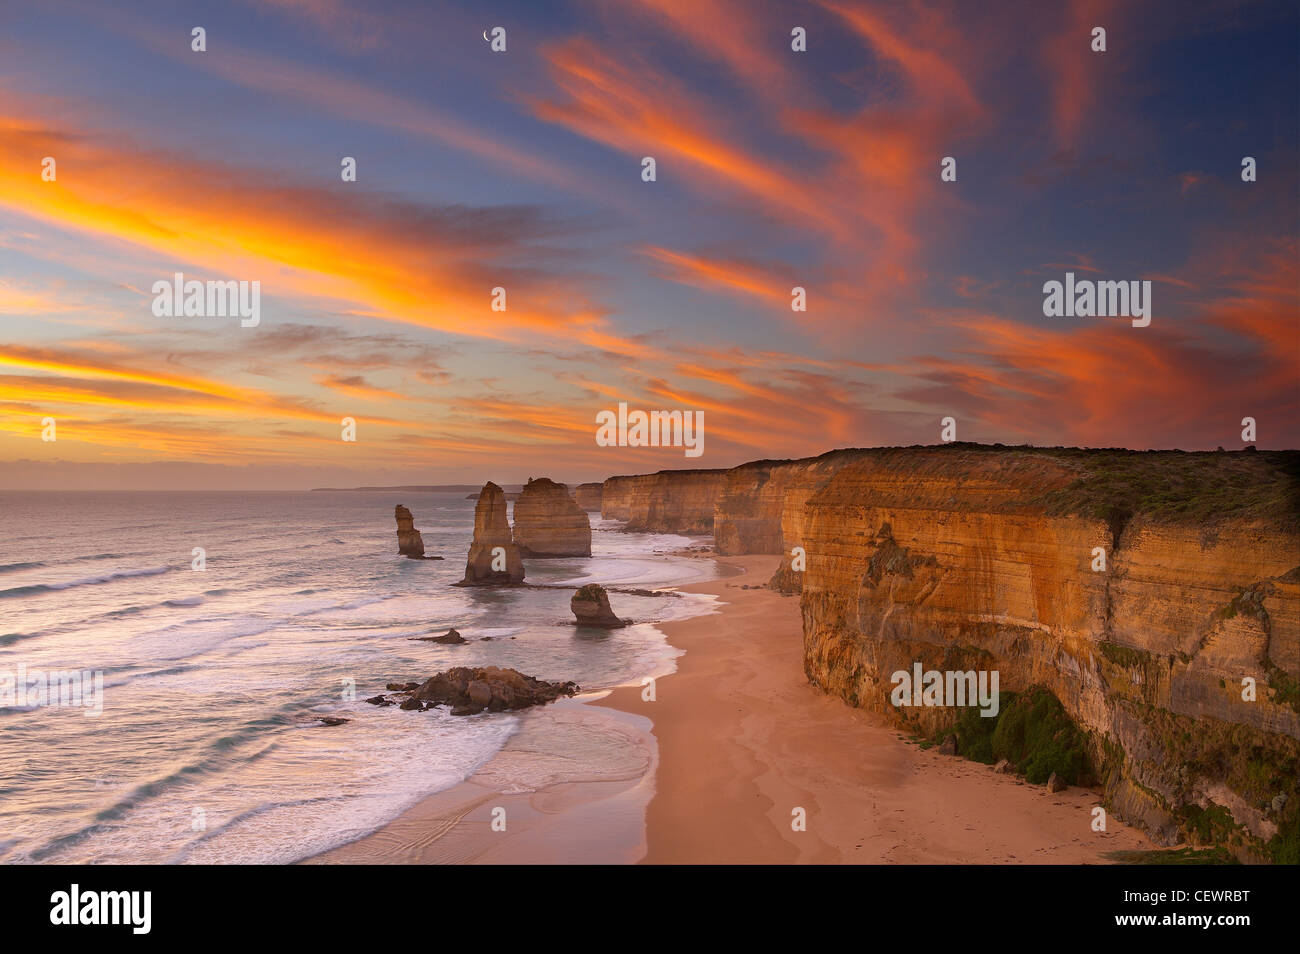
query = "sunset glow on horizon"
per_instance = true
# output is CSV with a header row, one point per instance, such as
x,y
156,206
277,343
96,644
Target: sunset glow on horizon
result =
x,y
522,170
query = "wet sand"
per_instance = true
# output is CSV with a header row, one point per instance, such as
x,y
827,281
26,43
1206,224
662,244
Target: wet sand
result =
x,y
715,767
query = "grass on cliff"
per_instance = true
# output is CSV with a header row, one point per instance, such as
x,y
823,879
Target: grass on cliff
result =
x,y
1031,731
1179,486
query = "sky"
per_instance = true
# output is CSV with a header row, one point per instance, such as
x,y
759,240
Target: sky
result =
x,y
522,169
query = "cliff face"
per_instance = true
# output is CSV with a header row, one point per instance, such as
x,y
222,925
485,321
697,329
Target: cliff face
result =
x,y
589,496
616,497
409,541
493,556
983,560
670,501
761,507
747,517
548,523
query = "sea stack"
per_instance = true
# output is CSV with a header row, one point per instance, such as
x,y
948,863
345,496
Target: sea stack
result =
x,y
549,523
493,556
591,607
589,496
409,542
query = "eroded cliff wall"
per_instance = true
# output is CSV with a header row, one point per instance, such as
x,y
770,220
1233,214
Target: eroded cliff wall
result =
x,y
983,559
761,507
588,496
670,501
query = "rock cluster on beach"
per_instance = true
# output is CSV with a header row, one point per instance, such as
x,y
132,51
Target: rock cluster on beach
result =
x,y
493,556
409,542
591,607
549,523
470,690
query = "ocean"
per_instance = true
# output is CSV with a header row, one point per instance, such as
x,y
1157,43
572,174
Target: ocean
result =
x,y
209,747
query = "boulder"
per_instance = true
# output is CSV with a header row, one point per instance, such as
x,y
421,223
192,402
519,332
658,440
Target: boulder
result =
x,y
1055,783
591,607
549,523
493,556
480,693
409,542
450,637
1003,767
949,745
469,690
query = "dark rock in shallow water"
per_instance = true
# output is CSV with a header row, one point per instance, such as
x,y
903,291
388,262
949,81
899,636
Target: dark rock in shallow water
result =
x,y
469,690
451,637
591,607
411,703
402,686
333,720
479,692
379,701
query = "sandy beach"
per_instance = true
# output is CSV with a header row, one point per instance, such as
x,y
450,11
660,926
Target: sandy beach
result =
x,y
714,767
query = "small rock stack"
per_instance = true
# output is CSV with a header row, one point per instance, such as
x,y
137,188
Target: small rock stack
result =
x,y
409,542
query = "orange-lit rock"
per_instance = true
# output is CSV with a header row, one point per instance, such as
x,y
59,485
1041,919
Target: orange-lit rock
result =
x,y
670,501
409,541
493,556
549,523
973,559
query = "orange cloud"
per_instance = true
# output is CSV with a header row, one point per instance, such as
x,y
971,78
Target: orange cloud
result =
x,y
1078,74
434,268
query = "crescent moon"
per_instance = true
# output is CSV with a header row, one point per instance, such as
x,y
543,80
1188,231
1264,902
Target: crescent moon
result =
x,y
485,36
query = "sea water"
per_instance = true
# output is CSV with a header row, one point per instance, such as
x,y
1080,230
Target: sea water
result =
x,y
210,747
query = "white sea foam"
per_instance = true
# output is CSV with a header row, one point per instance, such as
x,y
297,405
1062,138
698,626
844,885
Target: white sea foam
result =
x,y
211,700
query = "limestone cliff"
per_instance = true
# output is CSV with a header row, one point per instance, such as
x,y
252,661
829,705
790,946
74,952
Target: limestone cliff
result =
x,y
616,497
670,501
493,556
589,496
761,506
549,523
965,558
409,542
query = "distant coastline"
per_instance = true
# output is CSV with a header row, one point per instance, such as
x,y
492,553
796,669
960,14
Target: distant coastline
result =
x,y
421,489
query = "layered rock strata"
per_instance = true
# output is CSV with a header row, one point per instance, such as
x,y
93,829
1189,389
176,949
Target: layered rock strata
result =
x,y
670,501
588,496
992,560
549,523
493,556
409,542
